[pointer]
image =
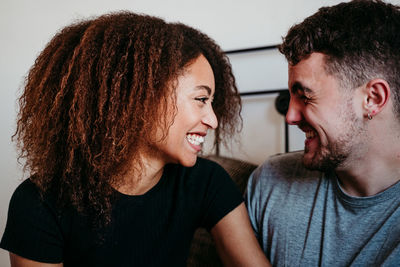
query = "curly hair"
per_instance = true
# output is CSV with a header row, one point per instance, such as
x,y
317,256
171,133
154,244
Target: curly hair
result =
x,y
95,95
359,38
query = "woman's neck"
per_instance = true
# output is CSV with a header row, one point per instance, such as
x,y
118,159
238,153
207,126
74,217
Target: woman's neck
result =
x,y
137,181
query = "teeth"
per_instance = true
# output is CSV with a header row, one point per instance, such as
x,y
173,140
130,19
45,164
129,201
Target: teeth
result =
x,y
310,134
195,139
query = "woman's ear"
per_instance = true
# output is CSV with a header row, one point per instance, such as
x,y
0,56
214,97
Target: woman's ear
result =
x,y
376,96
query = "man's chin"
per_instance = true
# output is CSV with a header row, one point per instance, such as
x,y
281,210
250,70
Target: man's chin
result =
x,y
310,164
308,158
316,162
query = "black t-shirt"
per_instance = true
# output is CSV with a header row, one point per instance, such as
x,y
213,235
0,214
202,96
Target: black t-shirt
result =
x,y
154,229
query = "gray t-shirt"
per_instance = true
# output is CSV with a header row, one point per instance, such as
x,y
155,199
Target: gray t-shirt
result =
x,y
303,218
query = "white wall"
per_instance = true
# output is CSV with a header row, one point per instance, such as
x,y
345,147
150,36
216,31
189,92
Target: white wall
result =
x,y
26,26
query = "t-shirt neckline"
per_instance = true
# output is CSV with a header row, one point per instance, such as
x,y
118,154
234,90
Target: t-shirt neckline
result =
x,y
391,192
167,169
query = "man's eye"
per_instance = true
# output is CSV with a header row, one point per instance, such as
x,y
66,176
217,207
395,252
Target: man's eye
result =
x,y
304,99
202,99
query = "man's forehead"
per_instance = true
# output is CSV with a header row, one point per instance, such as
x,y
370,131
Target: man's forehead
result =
x,y
309,75
313,61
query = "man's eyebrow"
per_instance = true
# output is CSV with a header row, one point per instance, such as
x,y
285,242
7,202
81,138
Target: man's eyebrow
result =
x,y
204,87
297,86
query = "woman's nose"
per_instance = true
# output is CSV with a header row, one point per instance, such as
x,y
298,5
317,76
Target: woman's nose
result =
x,y
210,119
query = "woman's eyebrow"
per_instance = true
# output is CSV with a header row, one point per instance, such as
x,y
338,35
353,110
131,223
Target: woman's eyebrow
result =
x,y
204,87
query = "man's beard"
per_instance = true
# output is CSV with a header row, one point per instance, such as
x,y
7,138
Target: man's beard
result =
x,y
337,152
328,158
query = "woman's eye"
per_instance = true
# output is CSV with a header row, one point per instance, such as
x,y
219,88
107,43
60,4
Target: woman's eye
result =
x,y
202,99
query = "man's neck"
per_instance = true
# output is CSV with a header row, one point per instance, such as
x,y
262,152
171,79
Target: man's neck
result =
x,y
370,175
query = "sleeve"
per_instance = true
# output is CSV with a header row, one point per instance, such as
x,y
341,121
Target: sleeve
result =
x,y
267,188
32,230
222,196
252,200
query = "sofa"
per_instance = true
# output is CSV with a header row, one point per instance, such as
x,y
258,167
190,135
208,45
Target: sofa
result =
x,y
203,252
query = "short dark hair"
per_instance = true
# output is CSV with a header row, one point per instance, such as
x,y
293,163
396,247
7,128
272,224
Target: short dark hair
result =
x,y
360,39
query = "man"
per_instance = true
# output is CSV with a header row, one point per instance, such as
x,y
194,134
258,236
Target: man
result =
x,y
338,202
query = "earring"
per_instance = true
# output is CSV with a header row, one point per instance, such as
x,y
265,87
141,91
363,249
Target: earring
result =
x,y
369,116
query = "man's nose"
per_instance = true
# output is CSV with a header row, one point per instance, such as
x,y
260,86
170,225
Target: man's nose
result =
x,y
294,114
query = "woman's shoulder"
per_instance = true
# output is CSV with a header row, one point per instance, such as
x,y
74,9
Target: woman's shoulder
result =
x,y
26,190
27,196
29,209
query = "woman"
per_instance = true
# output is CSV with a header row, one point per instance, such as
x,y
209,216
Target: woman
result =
x,y
114,112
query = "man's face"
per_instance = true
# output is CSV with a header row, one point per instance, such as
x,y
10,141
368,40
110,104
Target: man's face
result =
x,y
325,112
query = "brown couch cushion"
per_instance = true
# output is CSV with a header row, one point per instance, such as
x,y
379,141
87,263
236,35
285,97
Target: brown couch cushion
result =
x,y
202,251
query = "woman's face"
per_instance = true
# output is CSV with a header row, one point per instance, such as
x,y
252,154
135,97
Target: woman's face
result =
x,y
194,115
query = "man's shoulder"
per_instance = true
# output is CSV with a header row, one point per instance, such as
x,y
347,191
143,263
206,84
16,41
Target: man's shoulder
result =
x,y
283,163
285,168
282,179
285,159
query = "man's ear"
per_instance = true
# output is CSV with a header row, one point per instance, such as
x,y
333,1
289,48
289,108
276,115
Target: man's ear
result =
x,y
376,96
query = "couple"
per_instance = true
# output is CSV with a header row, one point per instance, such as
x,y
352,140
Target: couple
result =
x,y
115,110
